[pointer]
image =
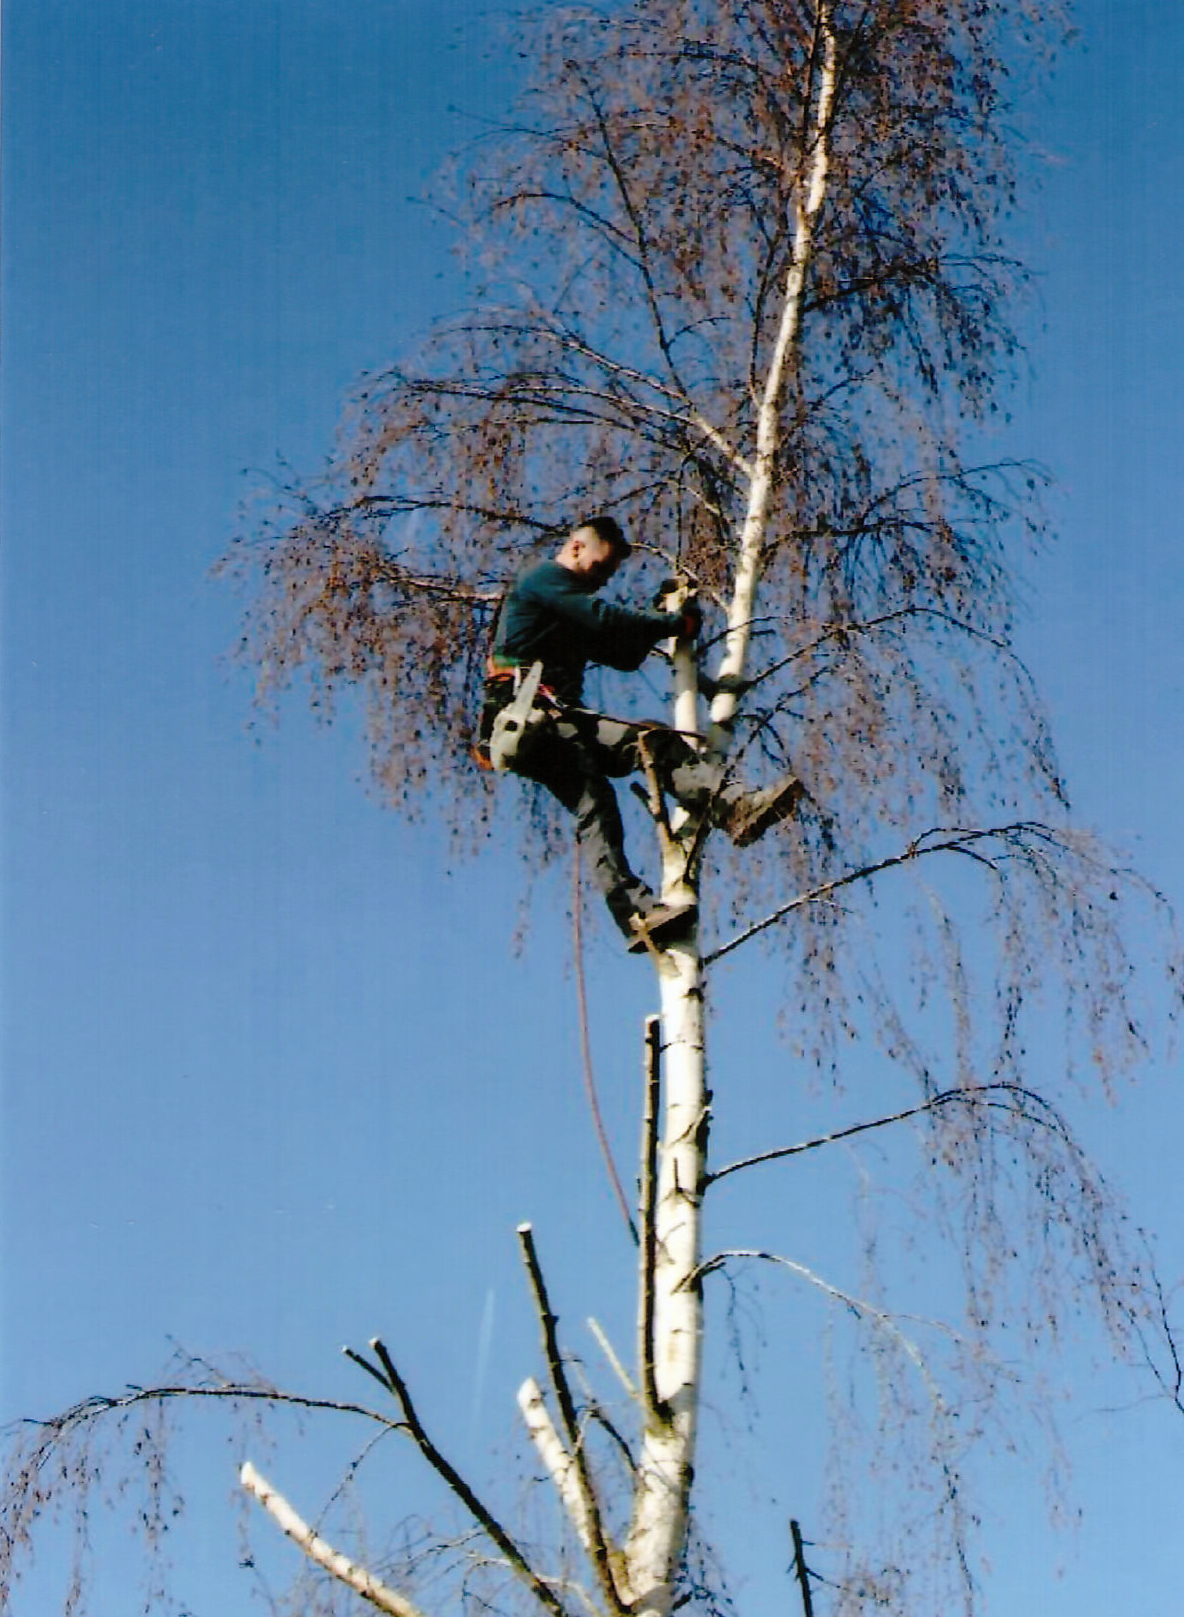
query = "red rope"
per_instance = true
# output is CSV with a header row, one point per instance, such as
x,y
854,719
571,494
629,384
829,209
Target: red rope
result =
x,y
577,936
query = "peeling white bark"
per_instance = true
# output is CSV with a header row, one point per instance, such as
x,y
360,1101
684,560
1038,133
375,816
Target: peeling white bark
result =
x,y
561,1467
348,1572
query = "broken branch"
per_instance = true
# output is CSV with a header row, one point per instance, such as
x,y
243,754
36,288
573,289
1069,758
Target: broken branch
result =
x,y
592,1530
324,1555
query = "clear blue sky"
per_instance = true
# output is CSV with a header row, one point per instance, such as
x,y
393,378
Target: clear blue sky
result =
x,y
274,1078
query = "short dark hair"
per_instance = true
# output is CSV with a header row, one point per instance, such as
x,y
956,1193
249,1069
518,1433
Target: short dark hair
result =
x,y
608,529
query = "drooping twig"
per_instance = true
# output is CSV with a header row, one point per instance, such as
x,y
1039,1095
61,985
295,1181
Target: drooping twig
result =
x,y
949,840
324,1555
971,1096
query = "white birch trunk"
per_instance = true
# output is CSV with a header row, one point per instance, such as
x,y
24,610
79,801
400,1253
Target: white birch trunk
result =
x,y
657,1537
752,536
642,1579
662,1490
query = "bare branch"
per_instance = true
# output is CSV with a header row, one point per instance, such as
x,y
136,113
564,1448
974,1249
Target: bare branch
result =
x,y
803,1574
233,1392
324,1555
592,1530
685,414
649,1183
559,1463
973,1095
610,1354
950,840
449,1474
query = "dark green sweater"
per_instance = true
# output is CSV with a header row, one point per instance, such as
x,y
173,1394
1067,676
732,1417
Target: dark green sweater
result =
x,y
552,615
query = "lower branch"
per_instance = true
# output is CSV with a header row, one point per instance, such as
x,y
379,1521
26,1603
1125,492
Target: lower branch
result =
x,y
972,1095
560,1466
589,1521
324,1555
949,840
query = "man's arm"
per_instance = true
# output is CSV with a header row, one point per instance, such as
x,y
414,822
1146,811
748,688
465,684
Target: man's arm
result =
x,y
617,636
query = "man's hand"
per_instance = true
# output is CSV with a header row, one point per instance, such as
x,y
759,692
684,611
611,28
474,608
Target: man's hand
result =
x,y
692,618
677,595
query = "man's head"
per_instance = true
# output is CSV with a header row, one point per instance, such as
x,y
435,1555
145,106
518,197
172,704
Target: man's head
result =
x,y
594,549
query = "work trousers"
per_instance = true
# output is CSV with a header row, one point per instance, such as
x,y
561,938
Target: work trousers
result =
x,y
576,755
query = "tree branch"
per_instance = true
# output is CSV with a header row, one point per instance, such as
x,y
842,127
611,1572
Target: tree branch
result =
x,y
589,1523
560,1465
324,1555
610,1354
799,1561
686,414
971,1096
954,840
449,1474
233,1392
649,1182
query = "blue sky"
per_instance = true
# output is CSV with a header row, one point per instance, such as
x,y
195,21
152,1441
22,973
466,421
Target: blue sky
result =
x,y
245,1103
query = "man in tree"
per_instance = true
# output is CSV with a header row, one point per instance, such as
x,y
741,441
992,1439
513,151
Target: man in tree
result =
x,y
551,616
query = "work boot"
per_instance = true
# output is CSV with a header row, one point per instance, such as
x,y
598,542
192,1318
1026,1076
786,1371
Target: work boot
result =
x,y
749,815
660,924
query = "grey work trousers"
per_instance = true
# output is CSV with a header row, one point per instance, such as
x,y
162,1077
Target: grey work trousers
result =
x,y
576,756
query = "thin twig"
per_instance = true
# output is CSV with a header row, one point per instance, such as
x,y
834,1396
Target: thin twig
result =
x,y
610,1354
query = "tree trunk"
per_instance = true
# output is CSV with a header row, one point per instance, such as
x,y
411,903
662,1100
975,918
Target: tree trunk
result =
x,y
665,1471
665,1474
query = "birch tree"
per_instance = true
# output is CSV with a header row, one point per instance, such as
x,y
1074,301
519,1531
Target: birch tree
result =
x,y
739,277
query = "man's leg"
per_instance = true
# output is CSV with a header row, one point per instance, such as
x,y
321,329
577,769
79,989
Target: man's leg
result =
x,y
693,781
561,761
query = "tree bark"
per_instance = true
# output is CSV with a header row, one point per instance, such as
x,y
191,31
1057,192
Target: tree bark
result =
x,y
657,1537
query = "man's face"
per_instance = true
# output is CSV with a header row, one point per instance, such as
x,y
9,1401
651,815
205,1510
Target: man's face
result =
x,y
592,557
